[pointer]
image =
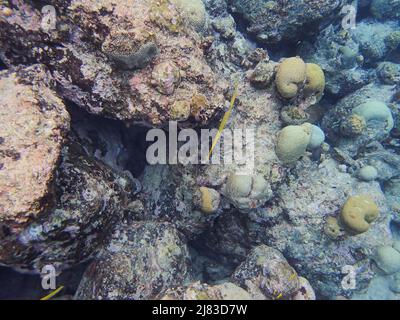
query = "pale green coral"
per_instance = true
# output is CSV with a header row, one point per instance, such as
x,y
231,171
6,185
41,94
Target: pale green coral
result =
x,y
374,110
293,141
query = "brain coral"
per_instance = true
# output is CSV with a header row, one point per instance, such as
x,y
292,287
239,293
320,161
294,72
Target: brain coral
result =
x,y
358,213
290,76
315,80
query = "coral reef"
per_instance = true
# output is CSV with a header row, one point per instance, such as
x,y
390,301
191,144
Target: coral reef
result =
x,y
302,115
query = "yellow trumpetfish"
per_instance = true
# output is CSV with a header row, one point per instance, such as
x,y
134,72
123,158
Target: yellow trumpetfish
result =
x,y
224,120
52,294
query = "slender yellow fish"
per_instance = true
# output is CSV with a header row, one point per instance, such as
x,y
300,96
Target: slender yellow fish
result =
x,y
224,120
52,294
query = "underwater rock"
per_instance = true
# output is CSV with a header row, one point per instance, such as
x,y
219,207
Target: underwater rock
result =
x,y
360,118
385,9
203,291
266,272
348,57
263,73
34,128
141,261
276,21
388,72
385,161
130,35
226,26
306,292
317,257
173,195
65,208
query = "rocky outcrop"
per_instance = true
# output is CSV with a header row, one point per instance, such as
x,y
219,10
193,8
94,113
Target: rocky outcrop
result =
x,y
57,202
141,261
114,62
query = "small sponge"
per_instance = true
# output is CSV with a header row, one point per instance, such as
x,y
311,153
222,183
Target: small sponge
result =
x,y
358,213
290,76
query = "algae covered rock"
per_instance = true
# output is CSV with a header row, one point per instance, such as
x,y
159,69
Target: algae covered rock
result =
x,y
385,9
320,190
141,261
200,291
275,21
69,201
266,272
111,50
34,129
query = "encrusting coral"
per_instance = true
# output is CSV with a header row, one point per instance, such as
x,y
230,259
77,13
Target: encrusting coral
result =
x,y
131,49
353,125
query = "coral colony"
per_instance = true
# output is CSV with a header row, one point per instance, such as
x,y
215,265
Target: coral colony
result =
x,y
200,149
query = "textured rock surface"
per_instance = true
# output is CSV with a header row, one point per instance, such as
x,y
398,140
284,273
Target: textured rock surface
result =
x,y
274,21
66,206
29,156
141,261
87,76
266,272
198,291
